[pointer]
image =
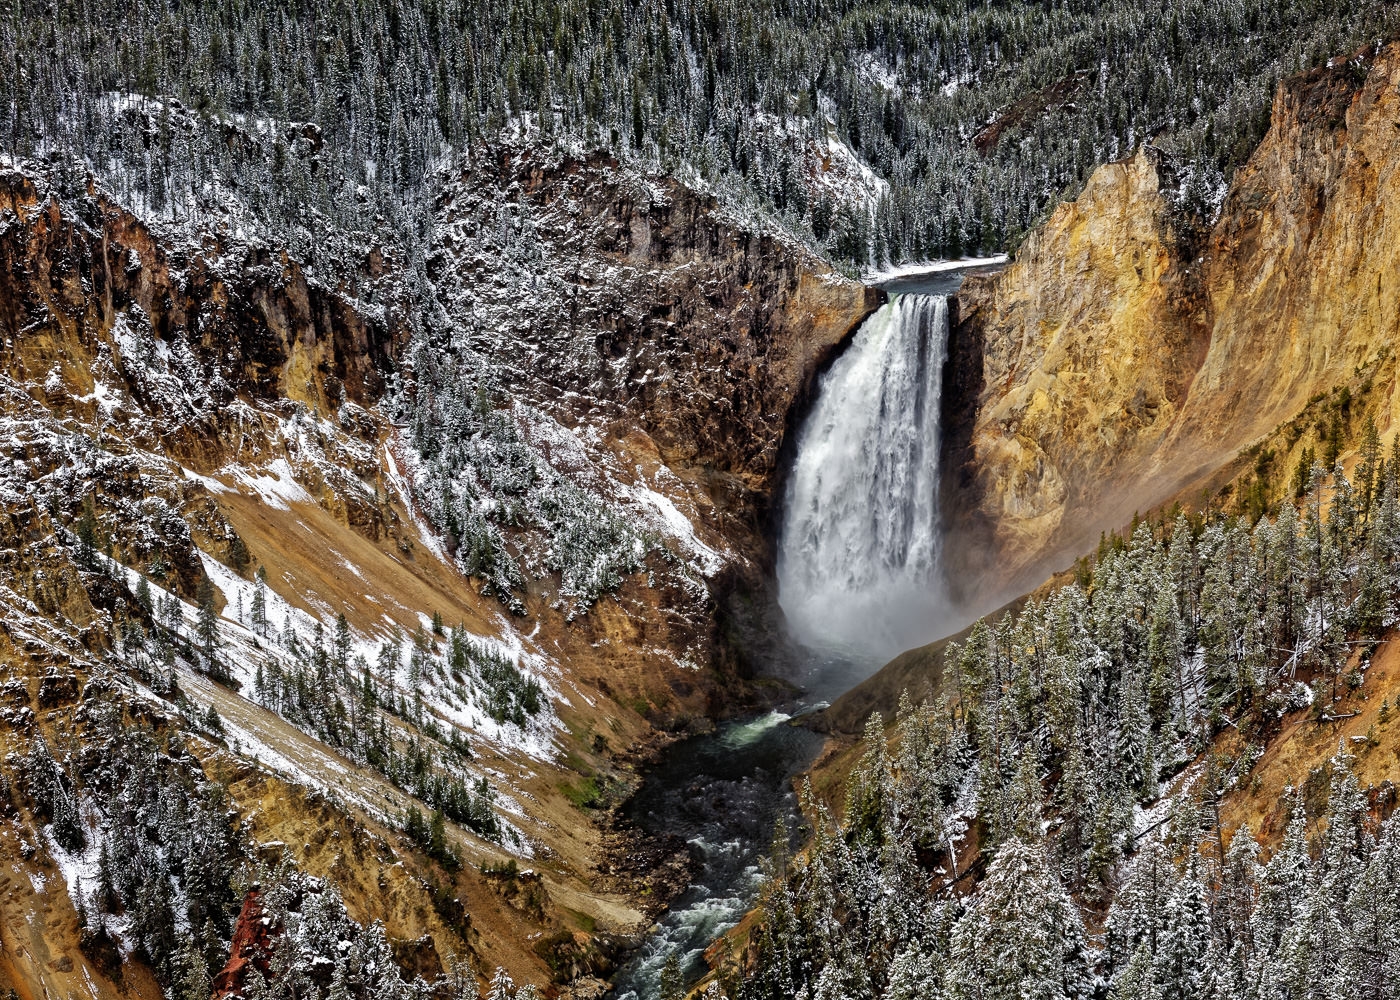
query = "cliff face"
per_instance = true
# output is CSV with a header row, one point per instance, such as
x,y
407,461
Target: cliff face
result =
x,y
1124,361
646,303
185,411
1300,270
70,272
648,319
1085,363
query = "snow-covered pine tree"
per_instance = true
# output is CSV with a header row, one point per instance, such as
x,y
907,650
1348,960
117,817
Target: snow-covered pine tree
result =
x,y
1022,937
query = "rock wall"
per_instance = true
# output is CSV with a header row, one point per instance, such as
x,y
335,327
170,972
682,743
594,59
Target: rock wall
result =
x,y
1126,356
260,326
641,299
665,329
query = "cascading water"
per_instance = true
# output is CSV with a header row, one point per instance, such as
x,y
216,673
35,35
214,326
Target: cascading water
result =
x,y
723,793
858,558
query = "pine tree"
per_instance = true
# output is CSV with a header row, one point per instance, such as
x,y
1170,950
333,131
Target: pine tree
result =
x,y
1180,960
1367,967
340,983
143,593
1138,980
1368,469
88,535
258,612
340,653
238,555
865,800
461,981
106,895
1021,938
194,981
672,984
1239,879
207,624
501,987
912,975
1139,913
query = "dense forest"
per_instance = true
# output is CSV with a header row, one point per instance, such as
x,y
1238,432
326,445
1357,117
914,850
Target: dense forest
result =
x,y
1076,754
312,120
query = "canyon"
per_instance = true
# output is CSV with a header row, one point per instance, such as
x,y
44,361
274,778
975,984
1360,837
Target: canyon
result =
x,y
1131,361
212,409
207,408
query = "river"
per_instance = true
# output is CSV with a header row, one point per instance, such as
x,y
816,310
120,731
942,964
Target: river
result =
x,y
724,793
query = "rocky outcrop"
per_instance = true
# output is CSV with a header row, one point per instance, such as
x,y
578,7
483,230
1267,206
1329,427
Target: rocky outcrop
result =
x,y
250,314
639,298
666,331
1085,359
1126,356
250,948
1299,271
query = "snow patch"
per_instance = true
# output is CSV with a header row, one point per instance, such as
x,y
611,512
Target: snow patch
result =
x,y
277,487
679,527
209,483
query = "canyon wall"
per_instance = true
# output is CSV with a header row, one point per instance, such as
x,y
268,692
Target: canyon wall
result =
x,y
190,408
594,291
687,339
1127,354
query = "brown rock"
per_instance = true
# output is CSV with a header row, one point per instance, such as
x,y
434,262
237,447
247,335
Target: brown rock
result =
x,y
251,948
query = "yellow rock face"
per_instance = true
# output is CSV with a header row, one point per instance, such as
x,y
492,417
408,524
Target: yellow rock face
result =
x,y
1301,270
1124,361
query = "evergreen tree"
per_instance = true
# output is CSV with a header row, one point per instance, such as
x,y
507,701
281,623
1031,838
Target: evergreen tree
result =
x,y
672,984
1021,937
340,651
194,982
501,987
143,593
207,624
89,542
258,612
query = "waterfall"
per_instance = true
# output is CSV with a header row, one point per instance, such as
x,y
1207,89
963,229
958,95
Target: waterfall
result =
x,y
858,557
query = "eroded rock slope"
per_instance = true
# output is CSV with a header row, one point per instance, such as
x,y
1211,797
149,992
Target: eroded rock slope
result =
x,y
218,531
1128,354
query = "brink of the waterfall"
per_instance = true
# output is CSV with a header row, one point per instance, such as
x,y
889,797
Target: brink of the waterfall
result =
x,y
858,559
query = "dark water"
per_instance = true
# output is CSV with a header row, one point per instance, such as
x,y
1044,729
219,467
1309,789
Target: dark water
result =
x,y
724,793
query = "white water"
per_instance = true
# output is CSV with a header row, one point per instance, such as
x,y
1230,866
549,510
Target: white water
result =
x,y
858,559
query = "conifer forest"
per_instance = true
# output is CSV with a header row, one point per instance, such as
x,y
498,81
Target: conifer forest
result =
x,y
331,118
